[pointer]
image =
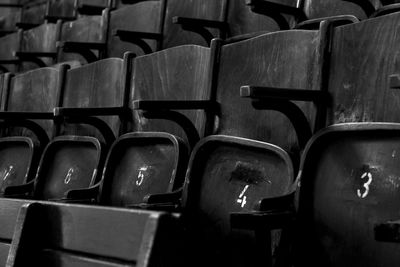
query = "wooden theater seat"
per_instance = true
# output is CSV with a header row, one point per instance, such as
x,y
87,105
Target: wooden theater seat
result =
x,y
348,198
73,235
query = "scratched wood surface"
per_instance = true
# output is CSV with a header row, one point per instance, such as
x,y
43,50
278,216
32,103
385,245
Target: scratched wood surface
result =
x,y
99,84
286,59
141,17
76,235
39,39
200,9
363,56
179,73
8,45
34,91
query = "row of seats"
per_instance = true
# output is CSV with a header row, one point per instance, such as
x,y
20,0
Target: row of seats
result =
x,y
153,25
226,135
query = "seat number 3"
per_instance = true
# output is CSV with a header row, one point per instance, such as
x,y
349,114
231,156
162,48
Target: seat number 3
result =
x,y
366,175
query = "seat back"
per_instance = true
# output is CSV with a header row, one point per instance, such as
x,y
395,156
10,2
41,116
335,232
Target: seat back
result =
x,y
286,59
95,85
140,164
73,235
230,174
67,163
87,29
145,16
180,73
361,90
174,35
34,91
349,184
41,39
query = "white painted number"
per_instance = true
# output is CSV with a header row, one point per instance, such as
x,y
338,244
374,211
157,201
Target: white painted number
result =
x,y
69,175
366,185
242,198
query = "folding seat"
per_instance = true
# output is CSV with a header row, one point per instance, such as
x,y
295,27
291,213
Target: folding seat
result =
x,y
52,234
347,207
9,44
27,123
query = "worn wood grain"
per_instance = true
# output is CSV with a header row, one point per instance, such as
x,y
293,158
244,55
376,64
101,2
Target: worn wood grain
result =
x,y
363,56
35,91
179,73
286,59
99,84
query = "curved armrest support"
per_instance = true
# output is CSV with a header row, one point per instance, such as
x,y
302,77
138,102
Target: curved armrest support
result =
x,y
279,99
200,26
35,57
84,49
20,191
173,197
385,10
275,10
83,195
138,38
154,109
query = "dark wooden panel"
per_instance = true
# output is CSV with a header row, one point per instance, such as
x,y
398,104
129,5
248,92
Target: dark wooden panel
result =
x,y
179,73
99,84
363,56
201,9
141,17
287,59
36,90
94,234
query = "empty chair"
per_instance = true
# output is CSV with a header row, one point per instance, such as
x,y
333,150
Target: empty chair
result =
x,y
31,95
73,235
348,197
9,45
141,164
228,175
